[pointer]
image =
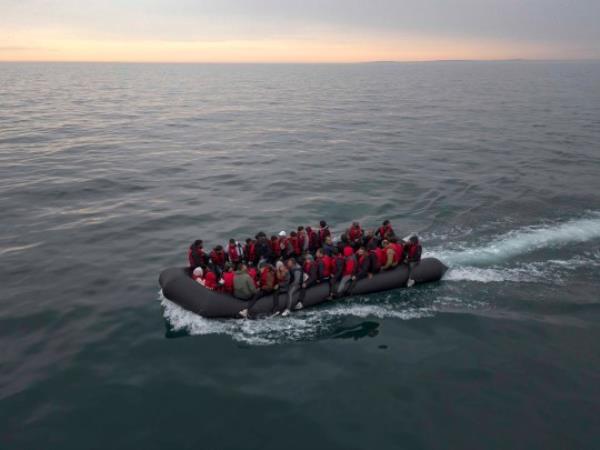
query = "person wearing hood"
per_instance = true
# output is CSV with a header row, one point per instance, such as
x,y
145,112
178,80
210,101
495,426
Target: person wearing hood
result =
x,y
328,246
296,280
323,232
243,285
197,257
355,235
263,248
385,231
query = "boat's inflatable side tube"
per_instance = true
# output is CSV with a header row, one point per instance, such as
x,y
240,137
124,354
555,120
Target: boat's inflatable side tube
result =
x,y
178,286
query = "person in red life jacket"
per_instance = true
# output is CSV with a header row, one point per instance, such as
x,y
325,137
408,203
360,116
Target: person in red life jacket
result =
x,y
313,240
197,257
368,238
363,269
275,248
250,251
413,257
302,239
391,260
311,277
295,243
398,248
374,264
336,270
218,258
385,231
210,278
355,235
233,252
267,286
323,232
381,255
263,248
323,263
349,272
253,274
227,278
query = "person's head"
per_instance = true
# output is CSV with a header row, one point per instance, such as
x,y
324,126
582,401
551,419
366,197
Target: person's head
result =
x,y
361,251
198,243
198,272
293,234
385,243
414,239
393,239
291,262
335,251
308,229
300,228
243,268
228,267
319,253
309,257
279,265
282,234
232,241
328,240
219,248
273,238
355,224
323,224
386,223
249,241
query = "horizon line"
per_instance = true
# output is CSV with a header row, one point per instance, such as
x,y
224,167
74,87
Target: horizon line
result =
x,y
308,62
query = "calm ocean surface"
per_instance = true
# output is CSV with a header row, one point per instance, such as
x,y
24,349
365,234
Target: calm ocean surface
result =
x,y
109,171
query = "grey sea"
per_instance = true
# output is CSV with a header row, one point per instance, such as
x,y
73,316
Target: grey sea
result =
x,y
109,171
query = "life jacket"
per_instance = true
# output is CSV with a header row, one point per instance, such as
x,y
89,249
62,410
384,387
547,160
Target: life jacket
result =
x,y
354,233
267,279
348,251
252,273
286,248
233,253
384,230
295,243
325,266
363,263
349,266
197,256
414,252
337,265
399,249
323,233
228,282
313,240
282,278
276,248
210,280
250,252
381,256
218,258
307,266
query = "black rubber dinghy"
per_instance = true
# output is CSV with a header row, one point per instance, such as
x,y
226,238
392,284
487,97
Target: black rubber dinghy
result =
x,y
178,286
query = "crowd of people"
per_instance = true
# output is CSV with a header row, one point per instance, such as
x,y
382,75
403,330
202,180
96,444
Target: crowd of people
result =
x,y
285,264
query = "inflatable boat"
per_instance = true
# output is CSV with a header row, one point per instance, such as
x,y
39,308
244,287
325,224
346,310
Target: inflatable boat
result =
x,y
178,286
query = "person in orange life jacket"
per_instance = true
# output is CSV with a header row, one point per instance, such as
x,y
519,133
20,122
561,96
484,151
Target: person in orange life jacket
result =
x,y
296,279
385,231
268,285
323,232
234,252
374,265
263,248
197,257
295,243
413,257
286,249
227,279
391,260
335,271
328,246
250,251
355,235
313,240
302,239
349,272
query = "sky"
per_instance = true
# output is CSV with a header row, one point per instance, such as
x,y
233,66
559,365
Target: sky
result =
x,y
297,30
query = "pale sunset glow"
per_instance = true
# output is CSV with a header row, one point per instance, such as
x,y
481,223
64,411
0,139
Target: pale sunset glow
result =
x,y
295,31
